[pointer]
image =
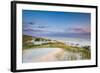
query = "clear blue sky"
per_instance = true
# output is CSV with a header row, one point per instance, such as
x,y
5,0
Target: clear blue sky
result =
x,y
49,22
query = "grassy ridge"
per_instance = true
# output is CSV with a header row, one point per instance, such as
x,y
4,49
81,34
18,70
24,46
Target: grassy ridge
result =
x,y
27,38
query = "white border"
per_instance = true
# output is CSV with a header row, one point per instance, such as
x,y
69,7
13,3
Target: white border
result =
x,y
21,66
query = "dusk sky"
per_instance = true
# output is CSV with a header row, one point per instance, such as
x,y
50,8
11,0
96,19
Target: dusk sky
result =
x,y
49,23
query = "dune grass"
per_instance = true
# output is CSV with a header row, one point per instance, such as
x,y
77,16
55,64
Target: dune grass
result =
x,y
85,52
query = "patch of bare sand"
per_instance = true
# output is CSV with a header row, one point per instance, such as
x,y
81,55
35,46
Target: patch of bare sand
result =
x,y
52,56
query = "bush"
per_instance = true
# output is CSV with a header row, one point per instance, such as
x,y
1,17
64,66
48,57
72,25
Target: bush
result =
x,y
86,47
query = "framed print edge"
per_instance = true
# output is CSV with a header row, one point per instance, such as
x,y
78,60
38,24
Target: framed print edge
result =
x,y
96,36
13,36
14,40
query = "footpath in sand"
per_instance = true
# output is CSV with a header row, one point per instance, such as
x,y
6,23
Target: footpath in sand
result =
x,y
42,54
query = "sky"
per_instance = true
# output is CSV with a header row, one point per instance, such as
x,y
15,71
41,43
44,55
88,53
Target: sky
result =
x,y
56,24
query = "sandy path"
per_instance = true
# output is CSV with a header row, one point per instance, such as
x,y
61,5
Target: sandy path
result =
x,y
41,54
52,56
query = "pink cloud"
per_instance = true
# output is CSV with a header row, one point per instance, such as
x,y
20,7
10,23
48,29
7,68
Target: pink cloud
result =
x,y
81,30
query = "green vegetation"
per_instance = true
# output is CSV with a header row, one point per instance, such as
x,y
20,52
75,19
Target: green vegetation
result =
x,y
27,44
26,38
